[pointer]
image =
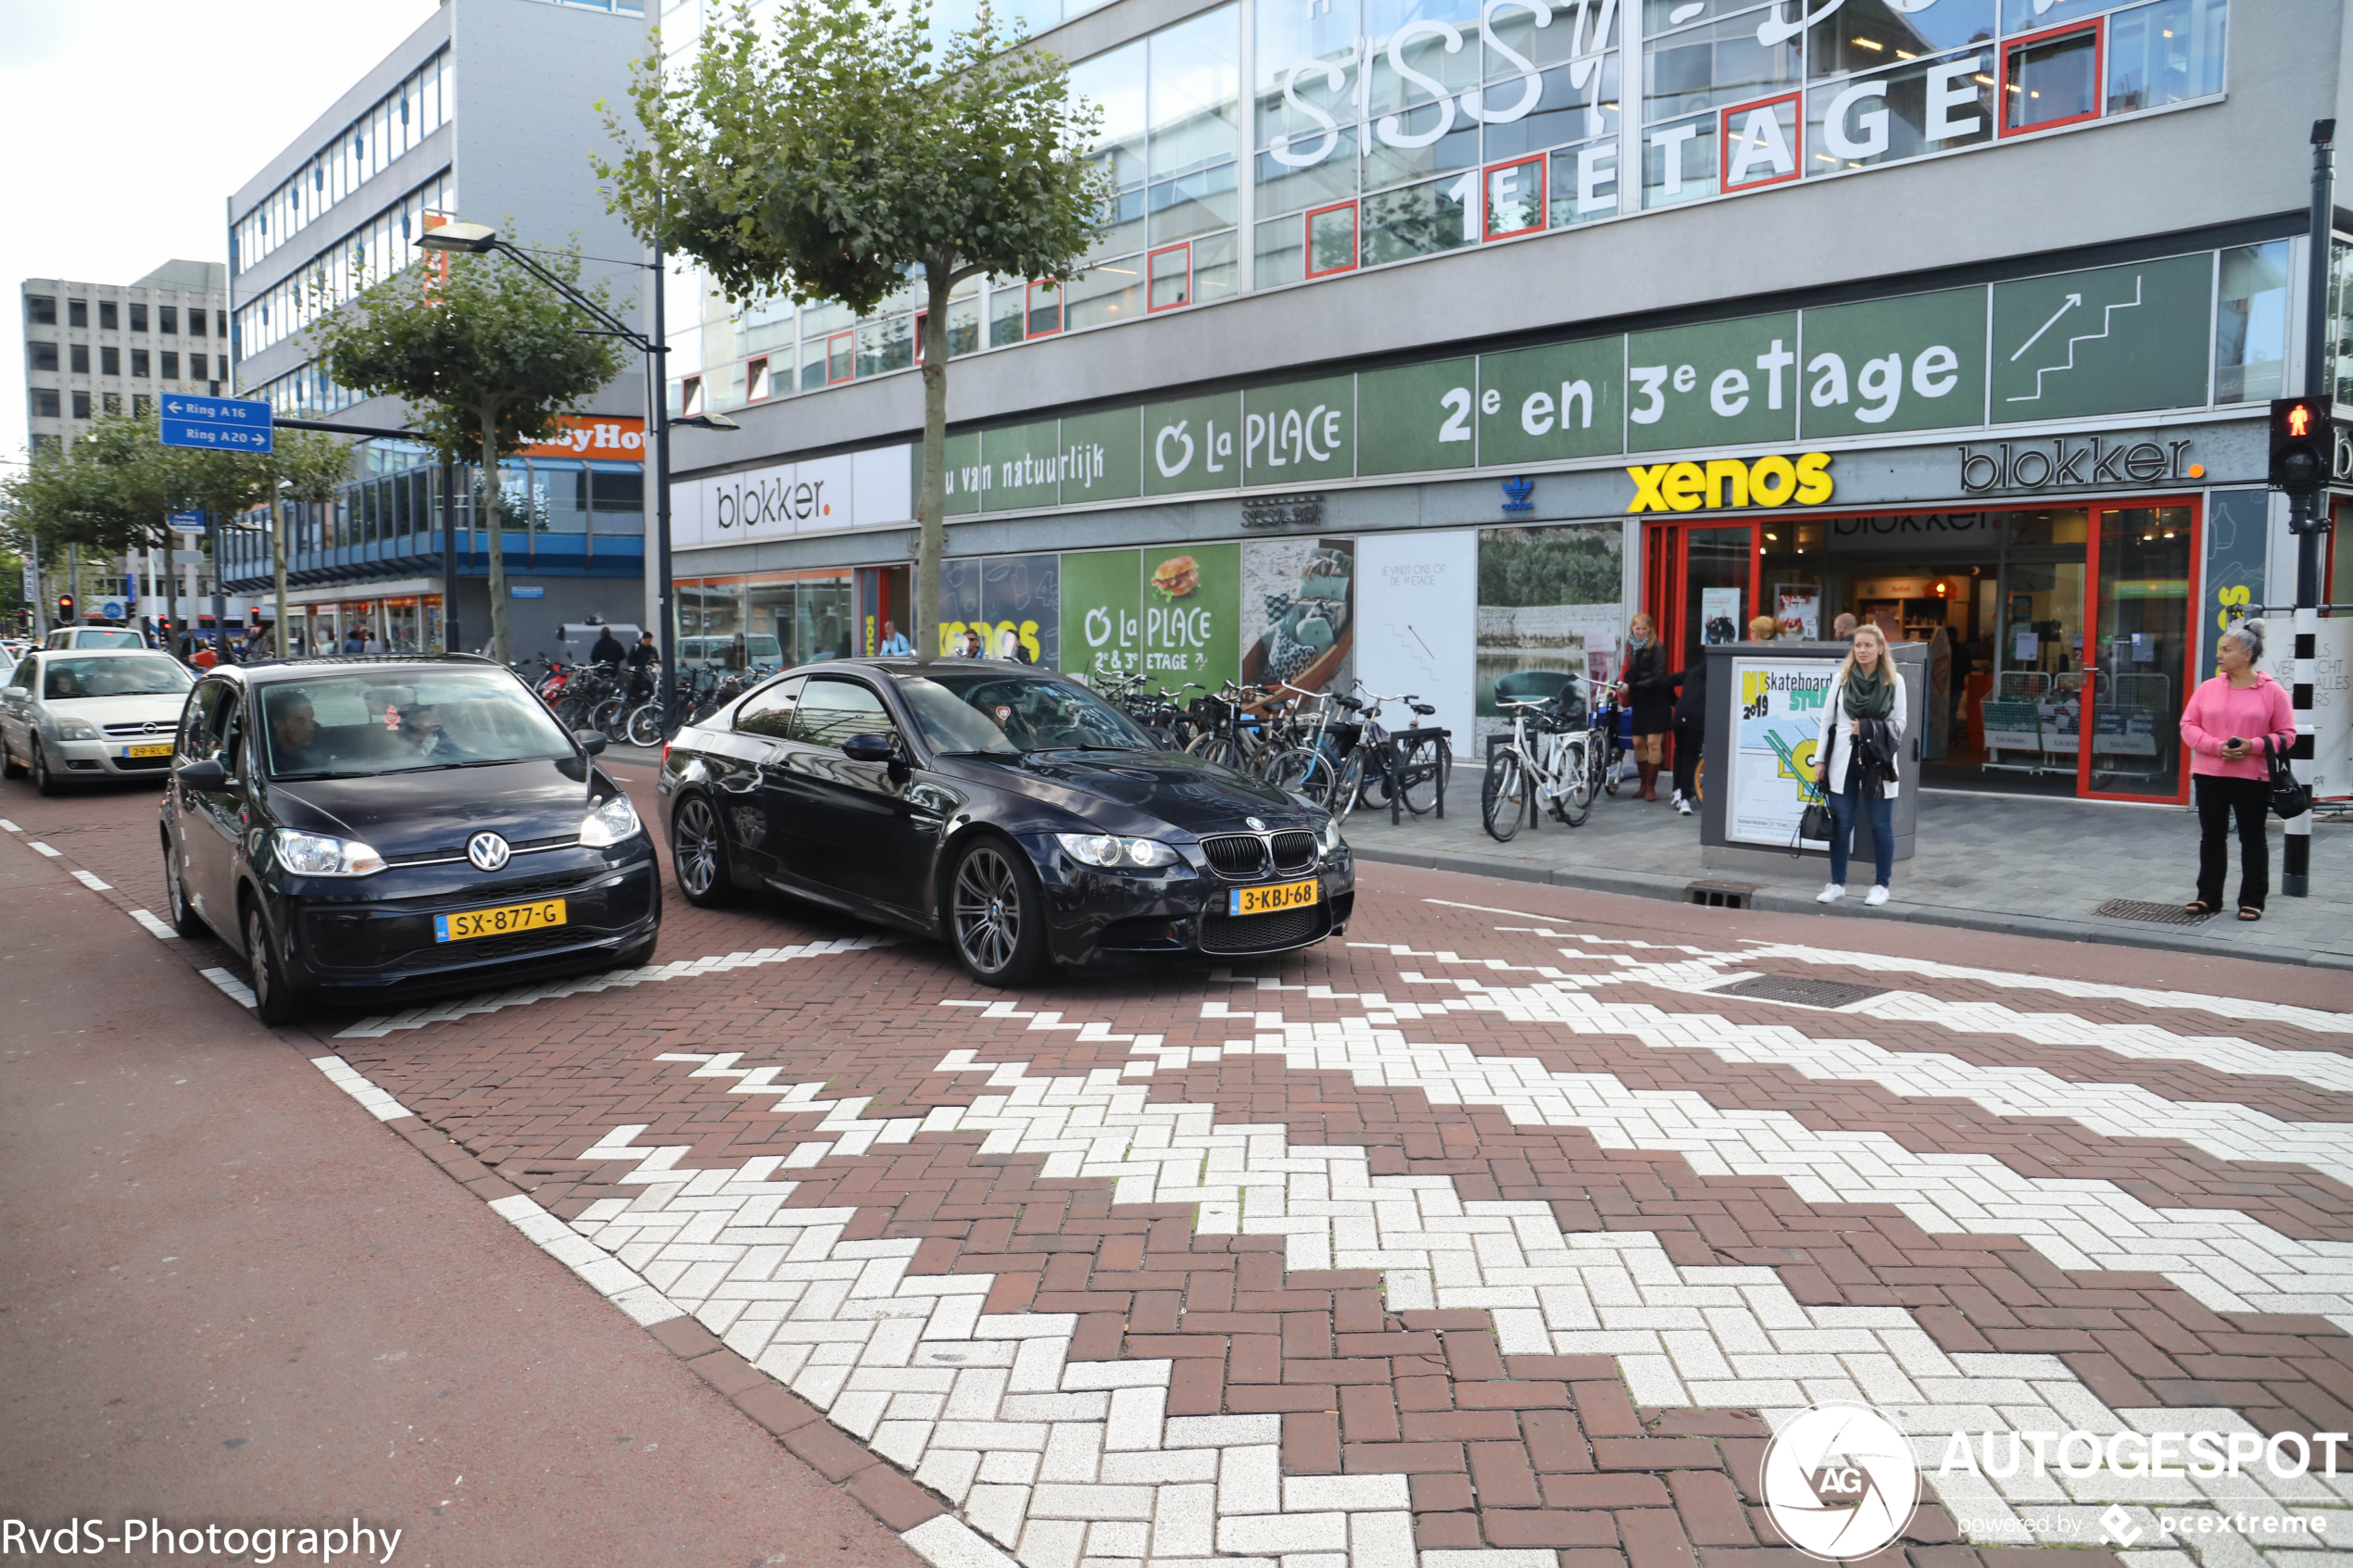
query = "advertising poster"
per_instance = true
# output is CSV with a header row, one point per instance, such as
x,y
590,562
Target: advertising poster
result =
x,y
1100,612
1719,616
2332,698
1416,593
1549,600
1298,612
1798,607
1191,616
1780,720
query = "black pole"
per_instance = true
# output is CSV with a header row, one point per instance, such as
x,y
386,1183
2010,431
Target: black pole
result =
x,y
2308,513
450,643
219,602
658,400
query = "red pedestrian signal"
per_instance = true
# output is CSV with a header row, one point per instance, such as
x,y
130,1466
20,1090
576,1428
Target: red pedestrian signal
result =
x,y
2299,419
2303,433
65,607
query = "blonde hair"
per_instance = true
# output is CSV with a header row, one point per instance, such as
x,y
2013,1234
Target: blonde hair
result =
x,y
1886,660
1762,628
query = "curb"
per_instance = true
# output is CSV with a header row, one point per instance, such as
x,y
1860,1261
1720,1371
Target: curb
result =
x,y
1673,890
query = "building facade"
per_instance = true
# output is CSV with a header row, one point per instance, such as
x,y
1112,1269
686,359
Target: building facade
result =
x,y
486,112
1429,346
93,349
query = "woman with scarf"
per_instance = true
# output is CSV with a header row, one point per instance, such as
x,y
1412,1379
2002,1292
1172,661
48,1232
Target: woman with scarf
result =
x,y
1646,685
1855,761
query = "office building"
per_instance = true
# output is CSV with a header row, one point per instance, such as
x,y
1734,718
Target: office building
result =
x,y
487,112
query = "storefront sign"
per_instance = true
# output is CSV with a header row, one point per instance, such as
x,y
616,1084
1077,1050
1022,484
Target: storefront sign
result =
x,y
1770,481
1780,723
604,437
1283,511
2062,464
824,496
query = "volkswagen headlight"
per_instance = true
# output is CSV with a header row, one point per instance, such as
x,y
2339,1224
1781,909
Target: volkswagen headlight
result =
x,y
612,820
78,729
1332,843
316,854
1108,851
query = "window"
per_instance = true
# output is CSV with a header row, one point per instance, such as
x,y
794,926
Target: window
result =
x,y
756,381
139,363
45,403
138,316
41,356
2169,53
831,710
195,367
111,402
141,404
2250,327
769,711
1331,240
79,357
2051,78
41,309
108,319
690,396
1045,308
221,323
45,444
77,313
109,360
81,405
170,365
168,318
841,357
1421,219
1111,290
1515,198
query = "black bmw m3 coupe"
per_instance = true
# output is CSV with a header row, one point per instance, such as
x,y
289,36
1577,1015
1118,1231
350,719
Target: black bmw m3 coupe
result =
x,y
1008,810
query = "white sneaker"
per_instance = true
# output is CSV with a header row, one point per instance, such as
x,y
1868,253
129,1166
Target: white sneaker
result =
x,y
1831,893
1682,807
1876,896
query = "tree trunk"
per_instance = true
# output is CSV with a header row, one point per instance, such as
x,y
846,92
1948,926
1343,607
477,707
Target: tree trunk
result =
x,y
931,523
492,517
278,562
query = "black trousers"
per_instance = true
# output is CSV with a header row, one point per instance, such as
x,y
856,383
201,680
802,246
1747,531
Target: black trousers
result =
x,y
2217,797
1687,743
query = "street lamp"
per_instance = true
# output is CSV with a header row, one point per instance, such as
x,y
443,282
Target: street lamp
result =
x,y
476,239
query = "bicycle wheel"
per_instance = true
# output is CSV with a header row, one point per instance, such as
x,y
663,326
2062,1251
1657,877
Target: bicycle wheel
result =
x,y
1503,800
1352,785
1576,800
1426,779
1217,749
1302,772
645,725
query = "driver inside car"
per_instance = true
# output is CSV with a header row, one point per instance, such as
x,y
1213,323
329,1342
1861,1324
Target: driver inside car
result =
x,y
294,734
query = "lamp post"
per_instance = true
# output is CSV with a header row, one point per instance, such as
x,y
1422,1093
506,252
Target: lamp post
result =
x,y
478,239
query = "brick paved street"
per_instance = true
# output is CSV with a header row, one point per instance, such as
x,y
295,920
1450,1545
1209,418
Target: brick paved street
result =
x,y
1501,1234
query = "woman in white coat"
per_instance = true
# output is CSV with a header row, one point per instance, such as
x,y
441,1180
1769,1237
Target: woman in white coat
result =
x,y
1868,687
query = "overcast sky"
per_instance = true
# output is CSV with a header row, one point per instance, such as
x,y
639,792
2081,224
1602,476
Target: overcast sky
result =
x,y
129,123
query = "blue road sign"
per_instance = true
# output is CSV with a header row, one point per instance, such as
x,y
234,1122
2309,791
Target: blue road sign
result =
x,y
111,609
533,591
186,522
234,424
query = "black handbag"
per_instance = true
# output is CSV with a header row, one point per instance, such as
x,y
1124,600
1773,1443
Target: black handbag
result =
x,y
2289,798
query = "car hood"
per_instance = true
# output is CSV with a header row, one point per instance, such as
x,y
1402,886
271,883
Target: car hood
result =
x,y
437,811
1131,791
105,710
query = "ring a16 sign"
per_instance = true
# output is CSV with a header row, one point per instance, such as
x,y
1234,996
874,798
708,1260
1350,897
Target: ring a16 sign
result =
x,y
1840,1481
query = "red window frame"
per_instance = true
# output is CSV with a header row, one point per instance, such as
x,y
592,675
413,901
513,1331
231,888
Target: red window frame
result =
x,y
1724,142
849,337
1486,193
1029,328
2097,27
690,396
1153,255
1307,238
754,371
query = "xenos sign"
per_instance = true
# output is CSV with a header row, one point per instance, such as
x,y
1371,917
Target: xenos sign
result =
x,y
1728,481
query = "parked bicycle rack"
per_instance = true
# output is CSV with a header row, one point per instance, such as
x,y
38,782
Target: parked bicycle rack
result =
x,y
1403,743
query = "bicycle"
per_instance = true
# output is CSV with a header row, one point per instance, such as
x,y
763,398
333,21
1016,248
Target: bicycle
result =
x,y
1385,765
1224,735
1315,762
1534,765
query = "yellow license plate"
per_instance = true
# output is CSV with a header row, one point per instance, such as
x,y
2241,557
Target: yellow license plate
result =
x,y
503,921
1262,901
162,750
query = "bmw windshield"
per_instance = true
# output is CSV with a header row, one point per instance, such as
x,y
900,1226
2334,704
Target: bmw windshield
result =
x,y
983,713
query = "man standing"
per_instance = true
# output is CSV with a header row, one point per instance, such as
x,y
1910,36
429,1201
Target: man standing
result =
x,y
894,642
642,659
607,649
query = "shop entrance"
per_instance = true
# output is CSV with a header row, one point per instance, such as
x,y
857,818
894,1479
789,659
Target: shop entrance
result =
x,y
884,594
2043,625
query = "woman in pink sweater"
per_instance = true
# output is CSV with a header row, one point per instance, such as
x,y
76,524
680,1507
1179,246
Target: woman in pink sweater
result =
x,y
2225,722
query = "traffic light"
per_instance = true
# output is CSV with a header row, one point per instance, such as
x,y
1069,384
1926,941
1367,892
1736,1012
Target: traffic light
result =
x,y
65,607
2303,437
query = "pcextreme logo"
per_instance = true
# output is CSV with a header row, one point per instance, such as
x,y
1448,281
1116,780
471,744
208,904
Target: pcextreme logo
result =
x,y
1728,481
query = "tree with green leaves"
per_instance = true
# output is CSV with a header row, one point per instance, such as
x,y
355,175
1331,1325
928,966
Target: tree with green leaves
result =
x,y
490,360
836,152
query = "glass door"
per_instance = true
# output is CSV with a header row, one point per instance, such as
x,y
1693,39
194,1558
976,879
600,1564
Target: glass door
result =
x,y
2137,661
1699,585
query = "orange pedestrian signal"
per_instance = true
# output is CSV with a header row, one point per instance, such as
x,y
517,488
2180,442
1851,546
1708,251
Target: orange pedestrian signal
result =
x,y
2299,419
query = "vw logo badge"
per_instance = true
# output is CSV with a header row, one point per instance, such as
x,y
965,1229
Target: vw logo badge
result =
x,y
487,851
1256,826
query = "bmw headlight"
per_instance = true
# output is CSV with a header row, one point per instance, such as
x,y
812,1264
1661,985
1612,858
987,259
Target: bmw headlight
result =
x,y
316,854
613,821
1332,843
78,729
1108,851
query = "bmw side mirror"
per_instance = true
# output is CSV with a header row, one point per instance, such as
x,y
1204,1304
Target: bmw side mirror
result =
x,y
206,774
870,748
591,741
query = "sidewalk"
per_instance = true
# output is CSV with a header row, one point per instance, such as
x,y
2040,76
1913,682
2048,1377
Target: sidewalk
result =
x,y
2018,864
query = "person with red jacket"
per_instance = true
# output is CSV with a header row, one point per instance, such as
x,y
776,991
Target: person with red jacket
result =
x,y
2226,723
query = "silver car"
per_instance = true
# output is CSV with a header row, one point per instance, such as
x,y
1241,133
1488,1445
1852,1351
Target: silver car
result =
x,y
88,714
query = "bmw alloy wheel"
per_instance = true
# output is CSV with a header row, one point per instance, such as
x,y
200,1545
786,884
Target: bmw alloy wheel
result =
x,y
987,909
696,851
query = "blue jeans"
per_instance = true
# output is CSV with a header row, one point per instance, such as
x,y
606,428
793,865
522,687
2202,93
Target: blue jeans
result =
x,y
1881,813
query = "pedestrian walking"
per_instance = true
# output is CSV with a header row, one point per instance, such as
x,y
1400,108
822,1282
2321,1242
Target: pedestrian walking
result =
x,y
1691,733
2226,721
1647,687
1855,760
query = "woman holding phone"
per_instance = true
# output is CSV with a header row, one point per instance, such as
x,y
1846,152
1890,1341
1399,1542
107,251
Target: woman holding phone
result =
x,y
2226,723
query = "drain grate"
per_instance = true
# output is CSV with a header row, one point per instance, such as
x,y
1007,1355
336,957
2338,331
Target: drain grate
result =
x,y
2153,914
1792,988
1720,894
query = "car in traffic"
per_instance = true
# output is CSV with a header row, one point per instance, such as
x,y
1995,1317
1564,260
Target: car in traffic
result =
x,y
369,829
1007,811
87,715
94,637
